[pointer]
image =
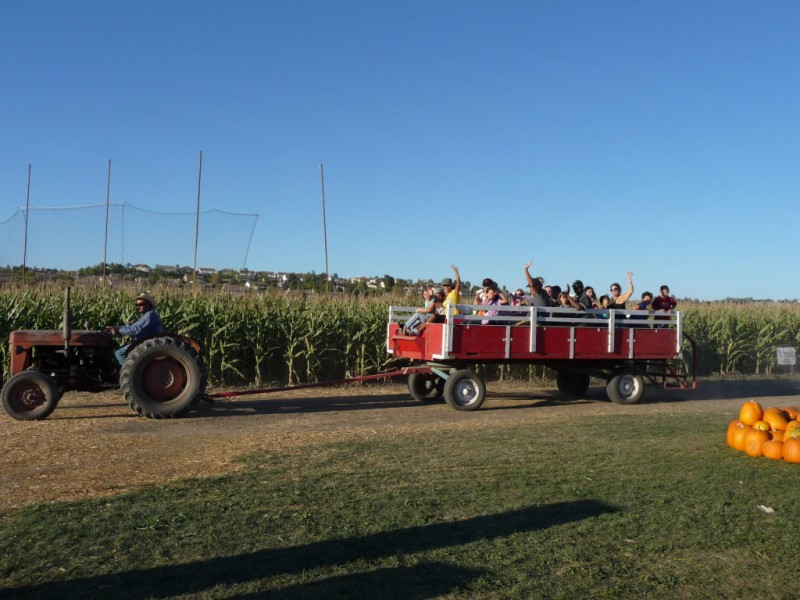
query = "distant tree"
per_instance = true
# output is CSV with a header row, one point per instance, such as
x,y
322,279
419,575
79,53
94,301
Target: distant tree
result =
x,y
293,282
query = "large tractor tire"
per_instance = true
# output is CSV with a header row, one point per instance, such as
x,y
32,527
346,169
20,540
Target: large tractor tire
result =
x,y
30,396
162,378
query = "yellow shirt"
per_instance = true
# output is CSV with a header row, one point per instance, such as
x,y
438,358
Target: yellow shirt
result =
x,y
452,298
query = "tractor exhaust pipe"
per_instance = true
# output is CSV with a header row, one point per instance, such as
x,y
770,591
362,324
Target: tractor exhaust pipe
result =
x,y
67,323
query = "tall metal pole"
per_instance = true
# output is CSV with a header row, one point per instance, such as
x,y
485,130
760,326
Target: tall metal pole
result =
x,y
197,221
324,229
27,210
108,200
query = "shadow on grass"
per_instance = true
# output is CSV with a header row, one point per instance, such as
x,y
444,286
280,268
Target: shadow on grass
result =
x,y
705,390
721,390
425,580
301,404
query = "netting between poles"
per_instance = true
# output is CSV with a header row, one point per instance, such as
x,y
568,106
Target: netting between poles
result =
x,y
72,237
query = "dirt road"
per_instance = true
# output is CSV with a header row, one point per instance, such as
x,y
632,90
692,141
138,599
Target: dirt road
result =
x,y
94,445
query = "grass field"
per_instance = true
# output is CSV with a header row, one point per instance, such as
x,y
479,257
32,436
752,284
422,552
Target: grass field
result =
x,y
594,506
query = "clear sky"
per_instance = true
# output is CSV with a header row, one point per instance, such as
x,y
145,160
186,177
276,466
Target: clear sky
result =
x,y
593,138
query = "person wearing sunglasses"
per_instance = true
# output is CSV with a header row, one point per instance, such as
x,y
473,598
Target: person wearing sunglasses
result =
x,y
619,299
148,324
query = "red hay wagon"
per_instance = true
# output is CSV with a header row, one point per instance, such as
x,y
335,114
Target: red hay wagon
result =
x,y
624,348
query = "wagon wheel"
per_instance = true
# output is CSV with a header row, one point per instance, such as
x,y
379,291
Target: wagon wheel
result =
x,y
30,396
162,378
626,386
425,386
465,390
572,385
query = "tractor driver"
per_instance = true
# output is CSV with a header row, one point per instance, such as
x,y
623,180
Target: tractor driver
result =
x,y
149,323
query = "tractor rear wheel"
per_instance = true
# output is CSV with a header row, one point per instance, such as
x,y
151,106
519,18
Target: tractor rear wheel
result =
x,y
30,396
162,378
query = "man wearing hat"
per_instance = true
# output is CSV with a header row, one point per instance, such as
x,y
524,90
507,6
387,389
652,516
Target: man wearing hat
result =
x,y
452,293
149,323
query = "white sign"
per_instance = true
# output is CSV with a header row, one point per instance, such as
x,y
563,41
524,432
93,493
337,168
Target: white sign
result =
x,y
787,356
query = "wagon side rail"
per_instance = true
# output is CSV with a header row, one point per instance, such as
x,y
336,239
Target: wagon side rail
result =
x,y
617,322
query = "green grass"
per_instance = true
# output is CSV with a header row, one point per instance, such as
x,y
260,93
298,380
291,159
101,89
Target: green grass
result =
x,y
607,507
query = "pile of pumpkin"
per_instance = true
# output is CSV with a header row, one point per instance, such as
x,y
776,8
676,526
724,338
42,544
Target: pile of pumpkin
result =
x,y
774,432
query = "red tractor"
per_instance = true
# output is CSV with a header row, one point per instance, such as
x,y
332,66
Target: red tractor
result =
x,y
163,376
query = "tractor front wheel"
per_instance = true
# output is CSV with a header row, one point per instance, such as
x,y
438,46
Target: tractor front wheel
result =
x,y
30,396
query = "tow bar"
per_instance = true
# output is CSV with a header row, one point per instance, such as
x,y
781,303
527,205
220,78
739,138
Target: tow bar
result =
x,y
303,386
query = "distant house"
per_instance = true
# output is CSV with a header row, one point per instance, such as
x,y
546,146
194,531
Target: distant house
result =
x,y
375,283
43,275
141,268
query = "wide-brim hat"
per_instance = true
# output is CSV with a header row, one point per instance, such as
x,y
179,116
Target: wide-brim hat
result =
x,y
447,281
147,298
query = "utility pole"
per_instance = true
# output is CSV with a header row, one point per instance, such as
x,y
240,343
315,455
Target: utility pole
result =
x,y
27,210
197,220
324,229
105,244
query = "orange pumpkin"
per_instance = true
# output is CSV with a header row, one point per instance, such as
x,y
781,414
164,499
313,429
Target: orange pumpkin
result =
x,y
750,412
791,450
793,433
739,436
773,449
777,435
754,442
791,425
775,418
762,426
731,428
791,412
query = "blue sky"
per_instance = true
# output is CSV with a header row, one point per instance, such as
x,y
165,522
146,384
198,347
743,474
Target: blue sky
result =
x,y
590,137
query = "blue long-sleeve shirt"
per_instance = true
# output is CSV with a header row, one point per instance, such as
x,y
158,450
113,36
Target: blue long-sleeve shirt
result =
x,y
149,324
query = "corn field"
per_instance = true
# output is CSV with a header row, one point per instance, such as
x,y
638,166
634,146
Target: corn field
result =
x,y
741,338
277,339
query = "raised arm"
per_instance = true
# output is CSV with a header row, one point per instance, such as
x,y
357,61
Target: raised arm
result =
x,y
573,303
624,297
533,284
458,281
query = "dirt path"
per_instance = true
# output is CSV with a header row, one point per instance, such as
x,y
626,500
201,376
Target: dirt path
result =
x,y
94,445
